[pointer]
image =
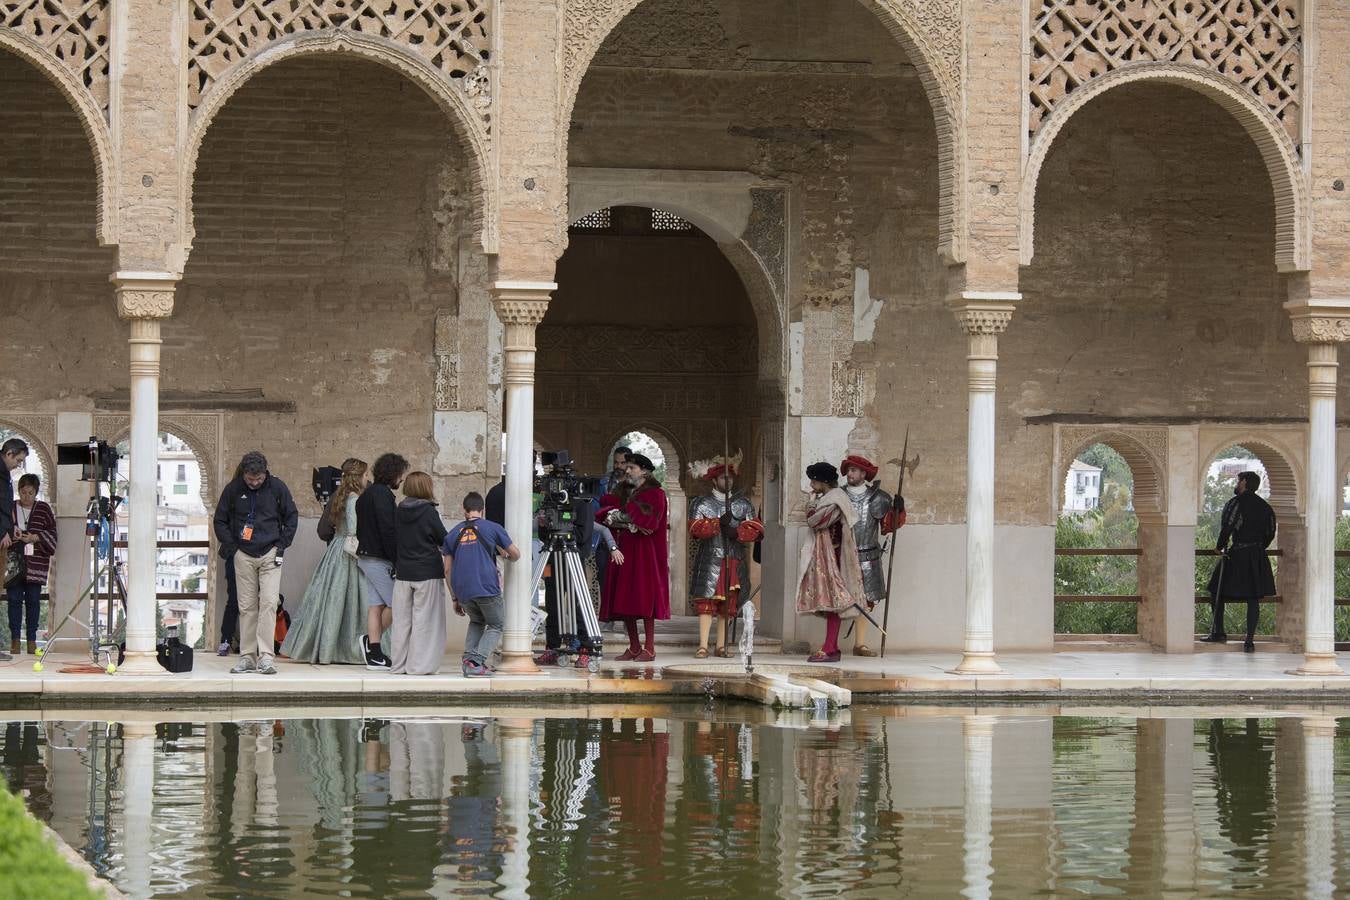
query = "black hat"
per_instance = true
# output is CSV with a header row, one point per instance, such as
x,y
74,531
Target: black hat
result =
x,y
823,472
641,462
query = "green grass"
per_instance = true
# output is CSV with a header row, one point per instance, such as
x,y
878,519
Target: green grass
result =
x,y
30,867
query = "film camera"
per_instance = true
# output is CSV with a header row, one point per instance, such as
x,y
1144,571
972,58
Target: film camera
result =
x,y
325,483
97,459
563,494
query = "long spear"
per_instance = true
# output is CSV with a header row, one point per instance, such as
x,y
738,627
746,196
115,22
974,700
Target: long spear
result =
x,y
890,566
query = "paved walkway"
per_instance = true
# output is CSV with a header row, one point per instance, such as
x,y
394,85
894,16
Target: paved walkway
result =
x,y
902,677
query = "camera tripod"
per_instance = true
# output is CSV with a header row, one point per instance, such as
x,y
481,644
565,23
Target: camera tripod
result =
x,y
572,590
104,624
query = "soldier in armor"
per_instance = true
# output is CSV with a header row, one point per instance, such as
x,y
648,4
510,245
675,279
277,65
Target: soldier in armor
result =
x,y
877,515
722,522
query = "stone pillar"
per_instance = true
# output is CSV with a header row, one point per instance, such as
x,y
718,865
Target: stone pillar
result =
x,y
1319,806
138,805
516,736
1163,841
144,299
983,316
1322,325
520,306
977,860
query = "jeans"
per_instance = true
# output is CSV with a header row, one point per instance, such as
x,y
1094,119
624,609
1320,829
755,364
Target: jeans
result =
x,y
24,599
229,622
486,617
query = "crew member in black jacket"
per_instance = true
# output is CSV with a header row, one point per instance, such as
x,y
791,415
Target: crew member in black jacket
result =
x,y
256,517
1246,529
377,553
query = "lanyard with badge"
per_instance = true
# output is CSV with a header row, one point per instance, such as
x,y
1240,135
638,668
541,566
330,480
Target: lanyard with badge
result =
x,y
23,526
247,531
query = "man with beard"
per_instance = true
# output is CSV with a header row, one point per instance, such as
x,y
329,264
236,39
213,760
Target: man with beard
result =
x,y
1246,529
639,588
875,519
722,522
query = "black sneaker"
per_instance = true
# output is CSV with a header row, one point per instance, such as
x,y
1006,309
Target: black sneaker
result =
x,y
378,662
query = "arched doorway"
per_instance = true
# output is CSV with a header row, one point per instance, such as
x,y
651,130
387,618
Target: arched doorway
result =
x,y
1095,591
675,371
1281,616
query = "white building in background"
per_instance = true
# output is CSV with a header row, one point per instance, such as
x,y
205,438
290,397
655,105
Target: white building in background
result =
x,y
1224,469
180,516
1082,488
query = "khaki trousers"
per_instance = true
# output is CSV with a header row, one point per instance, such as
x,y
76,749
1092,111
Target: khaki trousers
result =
x,y
259,584
418,630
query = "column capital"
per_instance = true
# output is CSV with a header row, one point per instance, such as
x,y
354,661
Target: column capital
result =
x,y
1321,320
144,295
983,312
522,302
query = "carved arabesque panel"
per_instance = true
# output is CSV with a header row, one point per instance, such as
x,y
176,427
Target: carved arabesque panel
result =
x,y
452,35
1257,44
73,31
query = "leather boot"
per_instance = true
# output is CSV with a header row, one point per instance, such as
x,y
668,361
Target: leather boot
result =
x,y
32,648
14,645
1216,633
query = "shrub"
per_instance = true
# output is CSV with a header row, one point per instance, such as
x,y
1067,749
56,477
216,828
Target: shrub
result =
x,y
30,867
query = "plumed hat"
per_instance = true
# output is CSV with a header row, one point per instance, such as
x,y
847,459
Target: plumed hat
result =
x,y
708,469
869,468
822,471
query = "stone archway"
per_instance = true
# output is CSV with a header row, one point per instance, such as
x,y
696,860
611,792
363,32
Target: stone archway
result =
x,y
86,107
1267,133
1145,452
929,35
39,431
462,111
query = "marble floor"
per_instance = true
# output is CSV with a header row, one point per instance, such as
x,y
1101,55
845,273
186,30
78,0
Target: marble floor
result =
x,y
1066,673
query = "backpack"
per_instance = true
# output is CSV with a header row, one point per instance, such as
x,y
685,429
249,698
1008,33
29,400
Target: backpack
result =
x,y
283,625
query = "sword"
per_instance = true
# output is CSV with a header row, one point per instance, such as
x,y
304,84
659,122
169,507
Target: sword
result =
x,y
866,615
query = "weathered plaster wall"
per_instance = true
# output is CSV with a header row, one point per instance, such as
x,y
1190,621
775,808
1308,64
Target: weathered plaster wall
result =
x,y
329,212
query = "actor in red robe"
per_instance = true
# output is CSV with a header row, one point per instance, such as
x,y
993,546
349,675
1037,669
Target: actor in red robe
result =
x,y
635,511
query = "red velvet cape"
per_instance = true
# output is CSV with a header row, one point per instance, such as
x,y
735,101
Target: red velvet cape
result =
x,y
641,586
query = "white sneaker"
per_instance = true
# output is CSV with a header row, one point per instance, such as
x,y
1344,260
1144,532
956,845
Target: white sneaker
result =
x,y
265,666
245,666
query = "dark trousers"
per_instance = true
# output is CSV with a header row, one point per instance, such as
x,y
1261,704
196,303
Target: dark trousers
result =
x,y
1216,611
229,622
25,600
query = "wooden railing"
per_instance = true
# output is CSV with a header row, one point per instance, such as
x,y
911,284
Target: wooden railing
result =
x,y
1138,598
177,545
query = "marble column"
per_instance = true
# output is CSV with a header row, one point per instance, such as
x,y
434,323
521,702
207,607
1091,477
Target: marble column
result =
x,y
983,316
1322,325
144,299
978,857
1319,807
520,306
138,806
517,738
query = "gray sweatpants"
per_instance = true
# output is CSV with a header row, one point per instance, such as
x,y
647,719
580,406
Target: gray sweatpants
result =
x,y
418,633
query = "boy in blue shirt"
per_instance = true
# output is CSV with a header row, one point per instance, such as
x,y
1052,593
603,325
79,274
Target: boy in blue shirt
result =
x,y
470,553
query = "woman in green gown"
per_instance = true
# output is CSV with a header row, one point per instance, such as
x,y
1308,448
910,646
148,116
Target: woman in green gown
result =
x,y
332,615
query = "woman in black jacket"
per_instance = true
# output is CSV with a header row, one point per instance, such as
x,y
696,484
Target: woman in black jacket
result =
x,y
417,637
377,552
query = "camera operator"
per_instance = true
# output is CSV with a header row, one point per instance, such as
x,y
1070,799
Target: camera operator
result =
x,y
257,518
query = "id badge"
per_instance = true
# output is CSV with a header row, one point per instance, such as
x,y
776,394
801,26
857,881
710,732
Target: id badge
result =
x,y
246,533
27,549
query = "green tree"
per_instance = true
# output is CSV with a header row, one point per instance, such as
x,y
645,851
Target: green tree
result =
x,y
1112,524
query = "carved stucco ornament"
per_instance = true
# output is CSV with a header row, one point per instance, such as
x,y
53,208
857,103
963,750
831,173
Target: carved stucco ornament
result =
x,y
145,304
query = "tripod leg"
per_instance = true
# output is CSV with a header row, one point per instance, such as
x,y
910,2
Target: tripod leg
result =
x,y
589,632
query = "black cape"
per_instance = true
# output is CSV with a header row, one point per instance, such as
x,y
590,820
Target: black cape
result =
x,y
1246,529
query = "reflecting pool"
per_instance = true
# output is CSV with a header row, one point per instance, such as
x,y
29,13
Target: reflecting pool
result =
x,y
694,802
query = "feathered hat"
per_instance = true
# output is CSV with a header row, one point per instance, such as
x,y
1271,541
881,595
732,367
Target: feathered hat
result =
x,y
708,469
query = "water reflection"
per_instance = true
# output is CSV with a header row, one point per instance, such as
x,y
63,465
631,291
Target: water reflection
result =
x,y
690,803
